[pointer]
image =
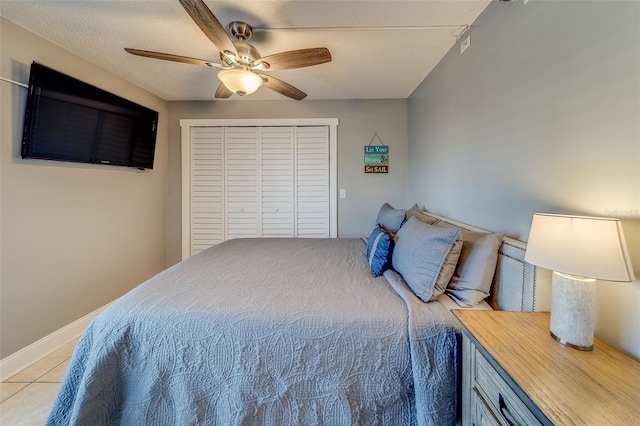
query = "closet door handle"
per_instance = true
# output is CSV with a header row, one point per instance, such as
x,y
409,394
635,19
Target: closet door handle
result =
x,y
504,410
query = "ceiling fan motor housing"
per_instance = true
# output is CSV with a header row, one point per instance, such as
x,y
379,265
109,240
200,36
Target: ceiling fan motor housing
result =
x,y
247,55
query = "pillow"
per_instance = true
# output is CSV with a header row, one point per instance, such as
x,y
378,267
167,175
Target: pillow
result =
x,y
425,257
471,281
379,251
450,262
390,218
420,214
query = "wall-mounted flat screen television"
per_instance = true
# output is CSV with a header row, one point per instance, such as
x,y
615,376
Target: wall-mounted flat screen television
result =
x,y
69,120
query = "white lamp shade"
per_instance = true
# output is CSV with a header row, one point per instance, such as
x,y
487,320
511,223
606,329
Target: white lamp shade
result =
x,y
239,81
584,246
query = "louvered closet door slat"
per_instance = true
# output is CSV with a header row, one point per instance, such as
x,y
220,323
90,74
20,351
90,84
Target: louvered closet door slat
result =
x,y
207,202
277,182
241,182
312,182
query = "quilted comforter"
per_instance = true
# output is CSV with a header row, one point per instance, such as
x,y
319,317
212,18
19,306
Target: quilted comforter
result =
x,y
265,332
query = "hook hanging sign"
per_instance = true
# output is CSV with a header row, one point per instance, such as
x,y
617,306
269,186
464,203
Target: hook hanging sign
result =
x,y
376,157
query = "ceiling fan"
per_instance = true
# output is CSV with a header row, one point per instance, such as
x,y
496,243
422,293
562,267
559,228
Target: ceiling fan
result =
x,y
242,67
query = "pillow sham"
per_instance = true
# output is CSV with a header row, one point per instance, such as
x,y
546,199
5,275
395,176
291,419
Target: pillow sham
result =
x,y
471,281
416,212
425,257
390,218
379,251
450,262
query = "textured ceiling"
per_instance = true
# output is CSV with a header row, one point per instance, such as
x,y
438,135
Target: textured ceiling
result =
x,y
380,49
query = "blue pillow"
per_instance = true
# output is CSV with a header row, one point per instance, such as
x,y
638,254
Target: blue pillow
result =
x,y
379,251
420,255
390,218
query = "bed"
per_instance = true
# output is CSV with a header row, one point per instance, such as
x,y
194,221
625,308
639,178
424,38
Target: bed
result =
x,y
280,332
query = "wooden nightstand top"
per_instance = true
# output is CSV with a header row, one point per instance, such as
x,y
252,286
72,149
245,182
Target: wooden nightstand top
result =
x,y
569,386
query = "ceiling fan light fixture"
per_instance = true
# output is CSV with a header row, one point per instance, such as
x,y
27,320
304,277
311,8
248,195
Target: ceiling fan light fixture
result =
x,y
240,81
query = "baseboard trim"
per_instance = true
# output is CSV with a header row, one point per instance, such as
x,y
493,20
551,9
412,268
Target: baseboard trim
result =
x,y
23,358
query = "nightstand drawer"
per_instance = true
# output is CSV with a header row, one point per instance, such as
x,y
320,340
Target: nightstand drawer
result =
x,y
482,416
504,403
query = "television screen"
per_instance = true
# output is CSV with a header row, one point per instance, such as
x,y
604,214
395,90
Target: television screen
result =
x,y
68,120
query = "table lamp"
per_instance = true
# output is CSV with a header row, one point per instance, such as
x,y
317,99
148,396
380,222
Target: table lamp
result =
x,y
579,250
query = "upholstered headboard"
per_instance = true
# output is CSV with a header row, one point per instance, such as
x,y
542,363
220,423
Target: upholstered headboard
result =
x,y
517,285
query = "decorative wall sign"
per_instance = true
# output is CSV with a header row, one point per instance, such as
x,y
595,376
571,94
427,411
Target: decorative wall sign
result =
x,y
376,157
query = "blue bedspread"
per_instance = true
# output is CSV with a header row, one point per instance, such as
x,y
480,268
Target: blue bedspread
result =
x,y
265,332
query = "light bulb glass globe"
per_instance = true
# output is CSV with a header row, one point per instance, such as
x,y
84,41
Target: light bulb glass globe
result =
x,y
240,81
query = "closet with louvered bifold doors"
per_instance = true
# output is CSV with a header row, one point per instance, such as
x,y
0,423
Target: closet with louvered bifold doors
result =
x,y
256,181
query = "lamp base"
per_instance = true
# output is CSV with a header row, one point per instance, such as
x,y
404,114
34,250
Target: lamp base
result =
x,y
573,310
566,343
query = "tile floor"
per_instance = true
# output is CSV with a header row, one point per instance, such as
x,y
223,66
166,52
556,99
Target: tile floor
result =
x,y
26,398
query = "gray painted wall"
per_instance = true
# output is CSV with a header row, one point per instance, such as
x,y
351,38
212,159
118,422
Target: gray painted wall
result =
x,y
359,119
74,237
540,114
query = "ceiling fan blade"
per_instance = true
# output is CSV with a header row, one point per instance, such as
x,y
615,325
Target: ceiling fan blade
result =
x,y
222,92
209,24
297,58
170,57
283,88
